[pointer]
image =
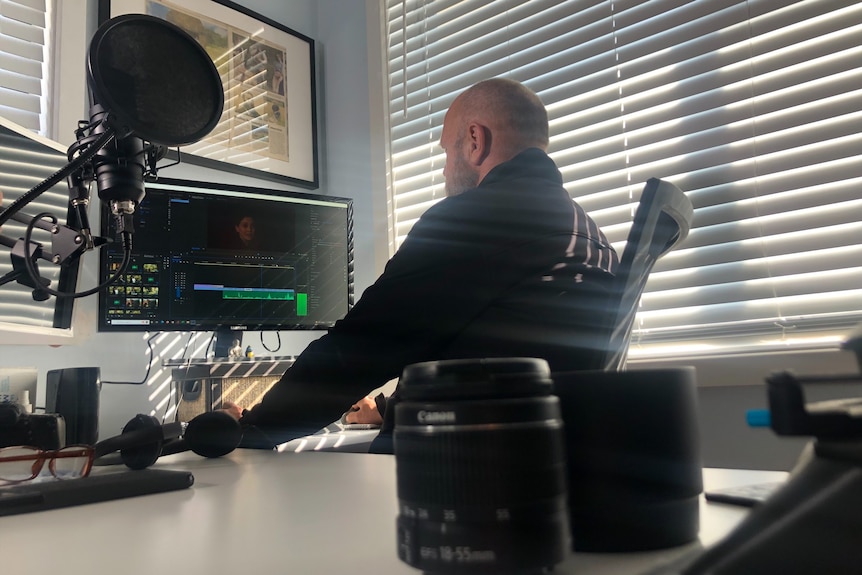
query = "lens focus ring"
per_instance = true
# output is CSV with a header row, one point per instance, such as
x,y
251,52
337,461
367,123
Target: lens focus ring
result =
x,y
481,478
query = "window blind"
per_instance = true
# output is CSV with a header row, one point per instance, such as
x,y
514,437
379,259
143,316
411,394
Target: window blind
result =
x,y
753,108
23,45
26,159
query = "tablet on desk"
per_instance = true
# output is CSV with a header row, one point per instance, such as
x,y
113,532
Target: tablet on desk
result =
x,y
359,426
353,438
39,496
340,426
744,495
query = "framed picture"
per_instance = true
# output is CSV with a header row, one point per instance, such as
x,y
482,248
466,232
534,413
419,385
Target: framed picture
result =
x,y
268,128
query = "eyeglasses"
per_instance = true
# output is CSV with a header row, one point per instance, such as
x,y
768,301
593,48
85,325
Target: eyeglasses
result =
x,y
22,463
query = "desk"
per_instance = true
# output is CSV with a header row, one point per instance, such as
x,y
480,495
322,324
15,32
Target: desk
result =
x,y
258,512
204,385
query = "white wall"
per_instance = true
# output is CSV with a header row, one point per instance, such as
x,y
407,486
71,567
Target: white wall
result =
x,y
348,147
731,386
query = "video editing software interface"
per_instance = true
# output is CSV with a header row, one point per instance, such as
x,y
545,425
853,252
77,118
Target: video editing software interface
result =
x,y
208,257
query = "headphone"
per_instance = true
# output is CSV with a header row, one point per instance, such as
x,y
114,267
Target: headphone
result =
x,y
144,439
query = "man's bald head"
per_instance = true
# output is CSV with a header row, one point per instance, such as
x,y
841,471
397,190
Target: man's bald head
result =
x,y
512,111
488,124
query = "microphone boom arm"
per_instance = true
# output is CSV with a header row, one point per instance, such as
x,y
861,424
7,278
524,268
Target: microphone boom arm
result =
x,y
67,243
40,188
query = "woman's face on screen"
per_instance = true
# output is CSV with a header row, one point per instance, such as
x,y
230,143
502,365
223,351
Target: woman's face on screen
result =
x,y
245,229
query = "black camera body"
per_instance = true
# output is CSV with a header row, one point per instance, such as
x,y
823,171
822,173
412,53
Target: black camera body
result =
x,y
17,427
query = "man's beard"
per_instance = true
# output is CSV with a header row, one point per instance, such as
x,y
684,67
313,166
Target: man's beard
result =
x,y
461,178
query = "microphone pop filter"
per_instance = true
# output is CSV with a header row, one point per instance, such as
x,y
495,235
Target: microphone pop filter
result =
x,y
155,79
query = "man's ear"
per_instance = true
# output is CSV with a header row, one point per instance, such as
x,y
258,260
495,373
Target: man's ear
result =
x,y
479,138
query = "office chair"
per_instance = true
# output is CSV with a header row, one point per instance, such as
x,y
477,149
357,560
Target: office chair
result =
x,y
662,220
580,342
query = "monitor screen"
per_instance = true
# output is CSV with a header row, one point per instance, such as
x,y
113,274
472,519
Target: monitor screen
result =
x,y
26,159
218,257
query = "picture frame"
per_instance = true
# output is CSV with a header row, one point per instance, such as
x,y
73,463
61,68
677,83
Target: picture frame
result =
x,y
268,128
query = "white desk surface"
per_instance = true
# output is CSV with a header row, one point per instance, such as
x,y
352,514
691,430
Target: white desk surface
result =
x,y
258,512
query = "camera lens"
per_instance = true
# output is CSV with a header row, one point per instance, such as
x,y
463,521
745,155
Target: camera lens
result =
x,y
480,467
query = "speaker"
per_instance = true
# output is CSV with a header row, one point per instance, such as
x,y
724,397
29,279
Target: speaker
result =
x,y
73,392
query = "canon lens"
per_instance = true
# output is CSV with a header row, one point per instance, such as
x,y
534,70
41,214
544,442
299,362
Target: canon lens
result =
x,y
480,466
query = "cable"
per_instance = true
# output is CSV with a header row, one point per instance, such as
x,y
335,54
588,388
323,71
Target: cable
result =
x,y
178,395
176,387
34,274
186,346
149,364
263,343
209,345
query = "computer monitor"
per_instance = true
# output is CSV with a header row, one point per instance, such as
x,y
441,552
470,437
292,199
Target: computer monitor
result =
x,y
26,159
229,258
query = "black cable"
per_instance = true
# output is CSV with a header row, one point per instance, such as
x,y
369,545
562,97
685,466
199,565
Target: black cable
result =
x,y
209,345
186,346
177,392
34,274
263,343
149,364
177,389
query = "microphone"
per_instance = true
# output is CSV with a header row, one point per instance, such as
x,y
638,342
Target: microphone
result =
x,y
148,105
144,439
152,87
118,169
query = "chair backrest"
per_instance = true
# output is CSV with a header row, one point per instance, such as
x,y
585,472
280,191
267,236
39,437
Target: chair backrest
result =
x,y
662,220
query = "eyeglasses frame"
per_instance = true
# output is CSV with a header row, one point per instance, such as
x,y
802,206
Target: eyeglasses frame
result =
x,y
40,456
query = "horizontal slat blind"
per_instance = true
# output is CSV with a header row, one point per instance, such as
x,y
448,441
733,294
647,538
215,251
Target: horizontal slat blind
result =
x,y
26,160
23,41
753,108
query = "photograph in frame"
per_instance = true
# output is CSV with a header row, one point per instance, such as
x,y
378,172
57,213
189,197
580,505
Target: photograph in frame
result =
x,y
268,125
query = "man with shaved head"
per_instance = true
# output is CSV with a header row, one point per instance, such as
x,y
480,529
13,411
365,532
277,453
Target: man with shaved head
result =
x,y
507,265
487,125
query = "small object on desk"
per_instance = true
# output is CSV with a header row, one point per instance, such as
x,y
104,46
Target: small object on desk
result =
x,y
745,495
758,418
27,497
249,354
25,402
235,351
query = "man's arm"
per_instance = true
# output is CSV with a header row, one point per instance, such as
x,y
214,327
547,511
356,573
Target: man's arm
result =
x,y
434,285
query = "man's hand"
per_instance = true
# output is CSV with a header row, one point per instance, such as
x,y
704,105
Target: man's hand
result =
x,y
364,411
231,409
